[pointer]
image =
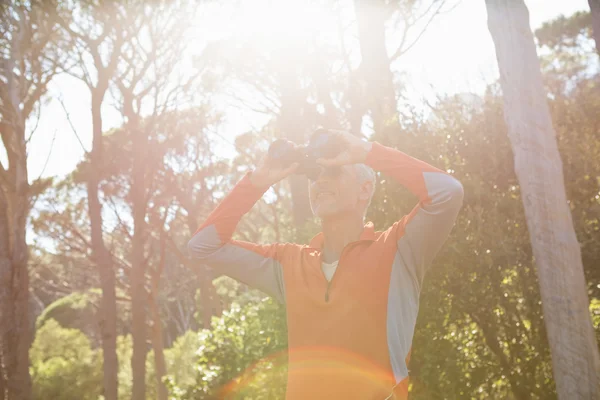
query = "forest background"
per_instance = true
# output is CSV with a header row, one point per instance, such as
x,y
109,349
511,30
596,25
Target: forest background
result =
x,y
125,123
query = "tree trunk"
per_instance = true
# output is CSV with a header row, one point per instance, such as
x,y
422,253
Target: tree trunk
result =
x,y
101,257
160,365
595,11
375,66
157,346
294,129
205,296
205,274
20,385
5,272
576,364
138,271
15,326
492,341
2,377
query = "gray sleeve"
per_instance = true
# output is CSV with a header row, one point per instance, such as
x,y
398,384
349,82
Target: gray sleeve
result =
x,y
424,234
431,223
255,265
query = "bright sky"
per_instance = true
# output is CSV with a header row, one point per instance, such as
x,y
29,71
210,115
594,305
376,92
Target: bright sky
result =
x,y
456,54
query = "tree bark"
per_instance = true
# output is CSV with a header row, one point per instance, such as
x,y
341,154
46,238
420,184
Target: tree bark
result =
x,y
14,276
5,272
21,386
293,129
157,346
491,340
205,296
101,256
157,331
138,271
2,377
565,303
159,356
595,11
375,66
205,275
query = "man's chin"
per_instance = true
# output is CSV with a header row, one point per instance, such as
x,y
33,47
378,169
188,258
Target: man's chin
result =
x,y
325,212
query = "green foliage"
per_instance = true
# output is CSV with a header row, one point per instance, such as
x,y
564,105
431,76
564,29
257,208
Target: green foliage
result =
x,y
79,310
63,364
181,359
229,292
70,311
563,31
243,355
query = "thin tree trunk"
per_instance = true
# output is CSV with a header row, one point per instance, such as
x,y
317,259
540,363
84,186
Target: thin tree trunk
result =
x,y
492,341
371,16
293,129
138,271
211,305
21,383
205,297
576,364
2,378
595,11
101,256
14,277
157,346
16,330
157,332
5,269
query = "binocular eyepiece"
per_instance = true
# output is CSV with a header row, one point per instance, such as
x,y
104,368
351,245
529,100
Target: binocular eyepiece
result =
x,y
322,144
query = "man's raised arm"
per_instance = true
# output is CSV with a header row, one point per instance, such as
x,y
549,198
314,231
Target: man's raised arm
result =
x,y
255,265
422,233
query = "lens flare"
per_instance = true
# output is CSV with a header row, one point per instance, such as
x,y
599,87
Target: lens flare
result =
x,y
331,372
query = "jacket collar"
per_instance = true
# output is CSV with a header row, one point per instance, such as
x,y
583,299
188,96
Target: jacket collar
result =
x,y
368,233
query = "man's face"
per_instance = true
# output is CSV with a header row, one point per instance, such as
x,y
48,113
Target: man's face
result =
x,y
337,191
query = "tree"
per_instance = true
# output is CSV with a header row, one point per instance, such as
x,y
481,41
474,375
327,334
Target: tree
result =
x,y
595,11
538,166
64,365
97,32
244,355
145,79
375,72
28,62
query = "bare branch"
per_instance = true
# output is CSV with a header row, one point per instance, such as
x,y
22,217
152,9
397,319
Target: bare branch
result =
x,y
401,49
37,122
60,100
48,156
122,225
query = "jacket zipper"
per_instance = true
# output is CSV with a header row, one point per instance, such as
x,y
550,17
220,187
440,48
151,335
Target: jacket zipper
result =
x,y
327,291
336,271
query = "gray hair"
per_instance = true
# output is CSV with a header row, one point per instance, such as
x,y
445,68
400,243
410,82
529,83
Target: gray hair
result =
x,y
365,173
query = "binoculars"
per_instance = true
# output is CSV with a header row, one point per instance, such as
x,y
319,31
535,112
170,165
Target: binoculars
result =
x,y
322,144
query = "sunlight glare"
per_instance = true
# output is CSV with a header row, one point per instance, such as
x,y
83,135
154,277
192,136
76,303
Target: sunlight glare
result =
x,y
281,20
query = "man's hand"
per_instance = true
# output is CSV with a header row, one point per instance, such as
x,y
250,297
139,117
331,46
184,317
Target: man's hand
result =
x,y
355,152
268,174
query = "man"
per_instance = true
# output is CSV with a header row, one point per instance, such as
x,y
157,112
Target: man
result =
x,y
352,295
